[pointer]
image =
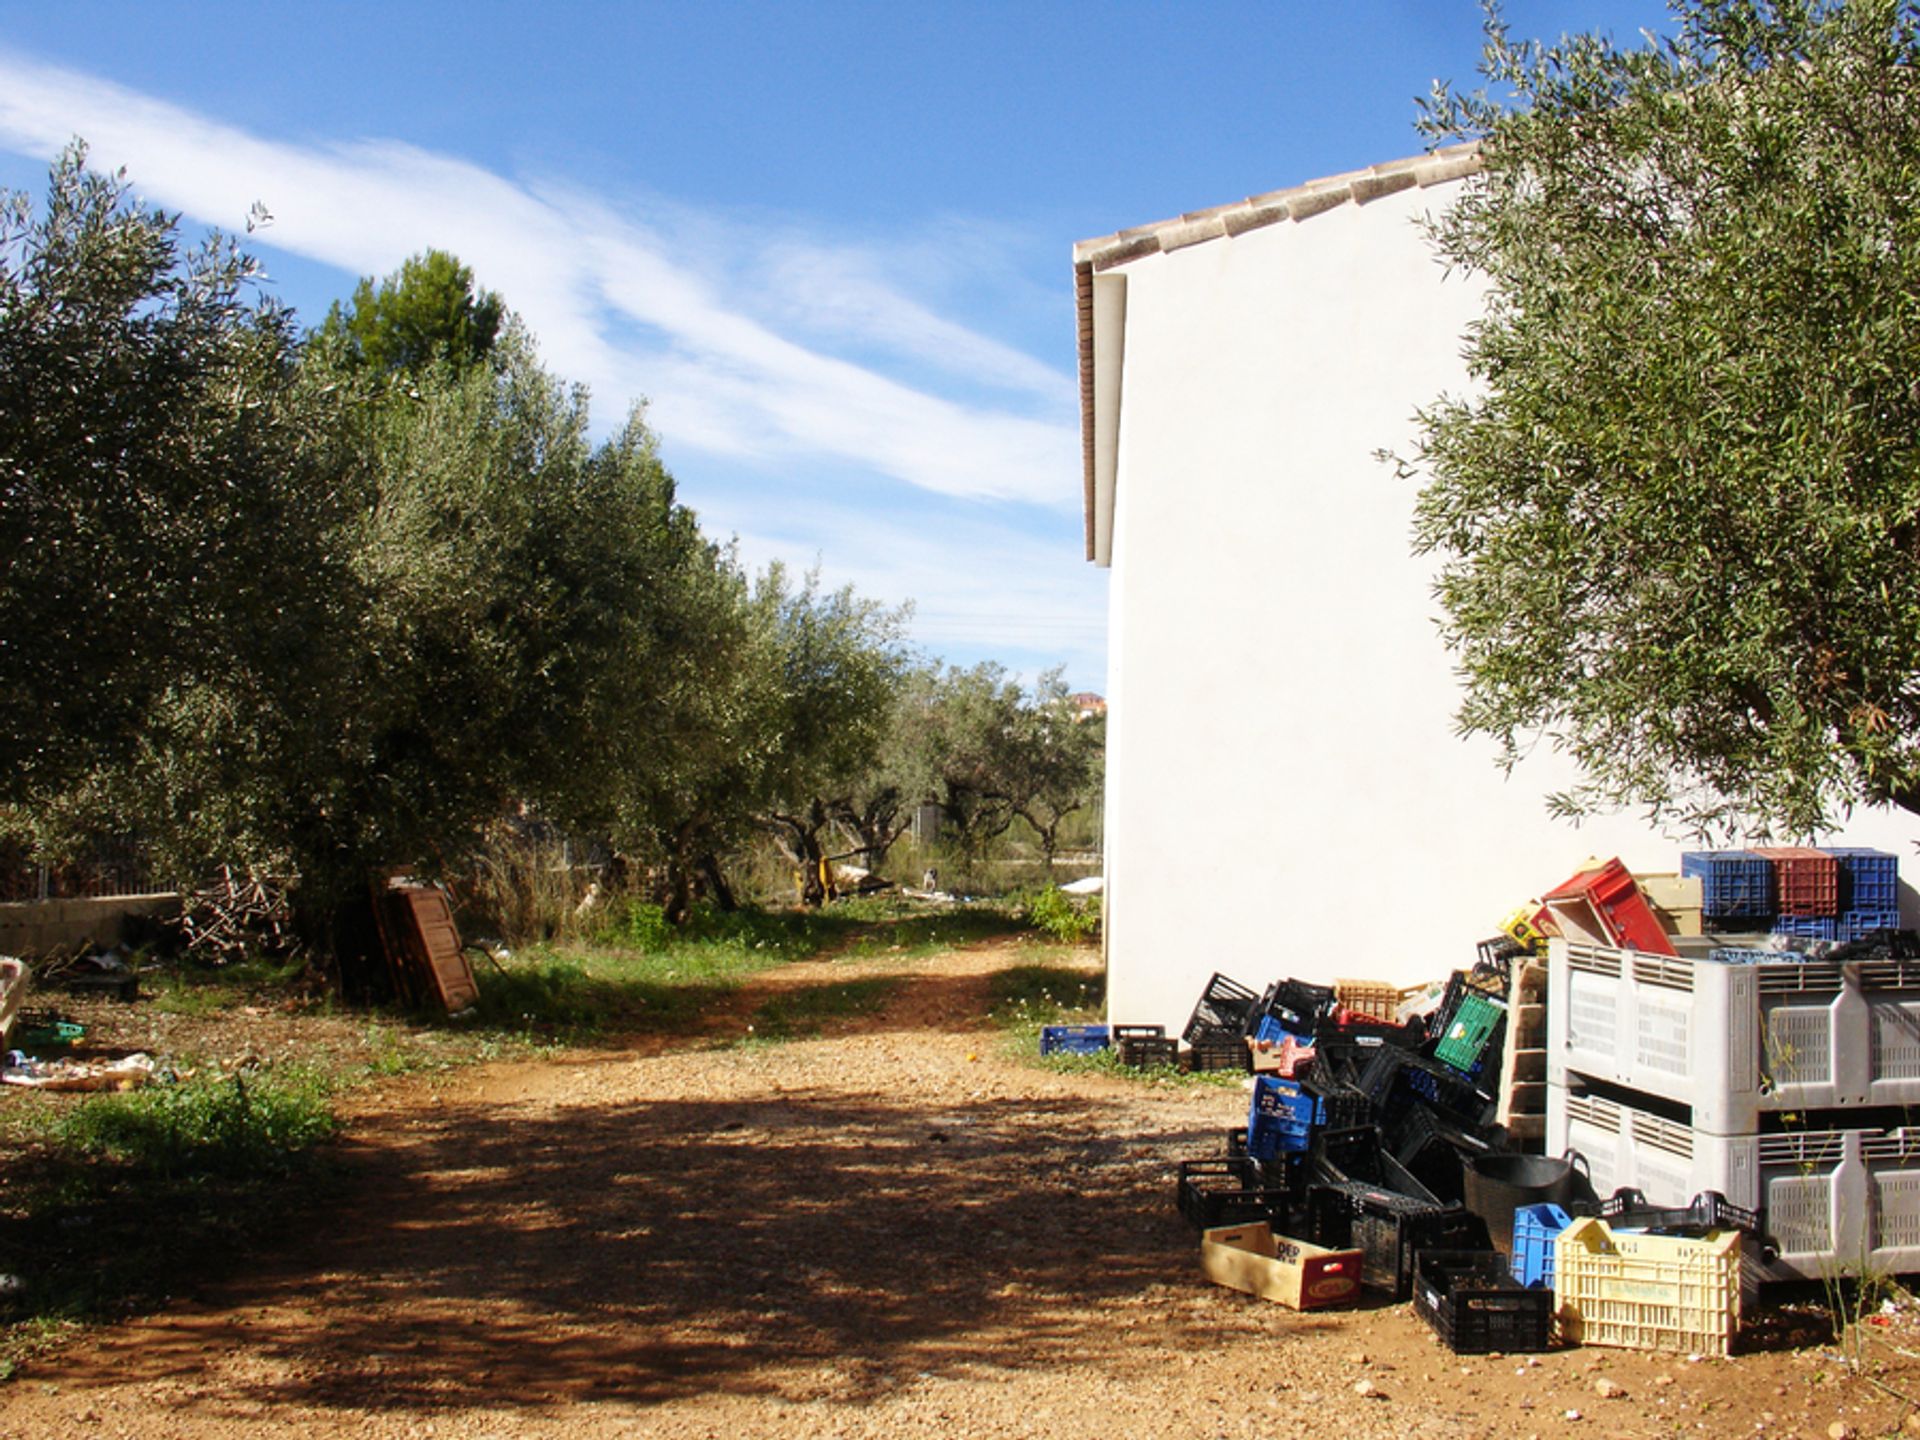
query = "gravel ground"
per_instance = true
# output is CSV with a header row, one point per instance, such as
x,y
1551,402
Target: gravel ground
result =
x,y
898,1229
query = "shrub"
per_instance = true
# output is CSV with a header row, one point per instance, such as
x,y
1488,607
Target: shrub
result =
x,y
1067,919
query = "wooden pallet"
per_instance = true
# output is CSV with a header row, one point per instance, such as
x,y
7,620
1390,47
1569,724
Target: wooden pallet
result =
x,y
1523,1062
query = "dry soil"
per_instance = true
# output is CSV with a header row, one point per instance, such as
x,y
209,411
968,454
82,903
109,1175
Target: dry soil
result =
x,y
895,1230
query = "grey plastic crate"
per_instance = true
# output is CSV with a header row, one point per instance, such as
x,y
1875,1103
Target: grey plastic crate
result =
x,y
1736,1039
1834,1201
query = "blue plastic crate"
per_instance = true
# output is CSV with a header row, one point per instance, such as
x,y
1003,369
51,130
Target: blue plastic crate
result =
x,y
1869,879
1535,1227
1858,924
1271,1028
1280,1119
1732,882
1073,1039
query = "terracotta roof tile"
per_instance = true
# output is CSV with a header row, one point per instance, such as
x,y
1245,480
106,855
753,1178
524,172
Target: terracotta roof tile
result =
x,y
1300,202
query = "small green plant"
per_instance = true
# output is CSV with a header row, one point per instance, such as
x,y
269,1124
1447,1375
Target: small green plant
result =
x,y
237,1126
800,1014
1067,919
643,926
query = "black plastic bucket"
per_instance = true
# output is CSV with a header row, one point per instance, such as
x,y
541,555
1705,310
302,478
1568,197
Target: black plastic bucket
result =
x,y
1497,1185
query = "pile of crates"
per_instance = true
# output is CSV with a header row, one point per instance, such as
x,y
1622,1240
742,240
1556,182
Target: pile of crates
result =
x,y
1362,1145
1840,894
1784,1081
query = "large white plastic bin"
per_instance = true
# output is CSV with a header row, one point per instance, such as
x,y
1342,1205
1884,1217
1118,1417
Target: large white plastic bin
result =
x,y
1834,1201
1734,1040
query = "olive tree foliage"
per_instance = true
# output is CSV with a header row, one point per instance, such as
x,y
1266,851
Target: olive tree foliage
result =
x,y
520,614
1678,518
999,753
163,486
833,664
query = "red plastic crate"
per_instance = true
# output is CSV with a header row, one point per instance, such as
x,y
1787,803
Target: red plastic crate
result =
x,y
1806,881
1608,907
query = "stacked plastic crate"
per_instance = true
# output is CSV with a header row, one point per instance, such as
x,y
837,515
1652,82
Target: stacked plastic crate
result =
x,y
1827,894
1785,1082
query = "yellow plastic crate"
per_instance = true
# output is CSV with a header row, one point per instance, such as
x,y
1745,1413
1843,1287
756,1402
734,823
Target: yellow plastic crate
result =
x,y
1647,1292
1369,997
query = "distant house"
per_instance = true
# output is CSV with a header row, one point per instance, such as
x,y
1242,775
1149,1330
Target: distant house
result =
x,y
1086,705
1286,791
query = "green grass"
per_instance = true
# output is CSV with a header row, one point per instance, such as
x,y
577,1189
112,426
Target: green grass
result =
x,y
126,1197
915,935
801,1014
197,991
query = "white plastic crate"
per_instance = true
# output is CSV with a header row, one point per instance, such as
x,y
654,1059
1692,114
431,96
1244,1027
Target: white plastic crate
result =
x,y
1834,1201
1735,1040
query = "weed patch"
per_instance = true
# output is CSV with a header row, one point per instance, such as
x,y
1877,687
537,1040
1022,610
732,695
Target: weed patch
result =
x,y
801,1014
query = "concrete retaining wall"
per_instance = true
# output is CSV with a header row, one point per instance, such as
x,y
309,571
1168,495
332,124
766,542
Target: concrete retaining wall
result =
x,y
45,927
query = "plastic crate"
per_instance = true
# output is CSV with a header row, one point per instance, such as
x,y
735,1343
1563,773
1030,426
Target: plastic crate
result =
x,y
1369,997
1138,1032
1734,1041
1357,1157
1388,1230
1279,1119
1149,1052
1732,882
1230,1191
1869,879
1834,1200
1629,1209
1287,1056
1218,1052
1604,906
1395,1080
1434,1152
1288,1006
1471,1029
1223,1005
1476,1307
1337,1105
1535,1228
1647,1292
1074,1039
1805,881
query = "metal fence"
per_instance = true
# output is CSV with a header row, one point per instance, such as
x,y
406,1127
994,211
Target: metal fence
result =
x,y
107,870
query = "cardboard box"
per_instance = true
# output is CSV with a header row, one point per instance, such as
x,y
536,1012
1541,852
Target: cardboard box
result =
x,y
1276,1267
1676,901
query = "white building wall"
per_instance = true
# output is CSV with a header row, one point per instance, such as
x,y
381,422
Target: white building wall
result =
x,y
1286,793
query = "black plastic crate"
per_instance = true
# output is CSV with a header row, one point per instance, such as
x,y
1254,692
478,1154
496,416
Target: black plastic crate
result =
x,y
1339,1104
1230,1191
1295,1004
1435,1151
1218,1051
1149,1052
1629,1209
1389,1229
1357,1156
1224,1005
1395,1080
1476,1307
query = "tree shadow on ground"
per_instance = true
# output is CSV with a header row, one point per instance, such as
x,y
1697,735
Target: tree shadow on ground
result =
x,y
647,1251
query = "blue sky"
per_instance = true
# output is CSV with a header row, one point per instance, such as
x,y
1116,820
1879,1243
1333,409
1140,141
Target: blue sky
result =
x,y
827,243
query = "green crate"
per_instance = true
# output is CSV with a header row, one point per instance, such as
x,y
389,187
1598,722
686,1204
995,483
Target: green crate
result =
x,y
1469,1031
52,1035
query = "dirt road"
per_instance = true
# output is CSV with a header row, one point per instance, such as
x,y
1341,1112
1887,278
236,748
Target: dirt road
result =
x,y
894,1230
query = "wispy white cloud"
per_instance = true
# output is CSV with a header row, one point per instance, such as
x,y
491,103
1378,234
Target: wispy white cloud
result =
x,y
611,299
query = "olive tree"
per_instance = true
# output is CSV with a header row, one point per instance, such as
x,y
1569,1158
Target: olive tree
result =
x,y
1678,516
